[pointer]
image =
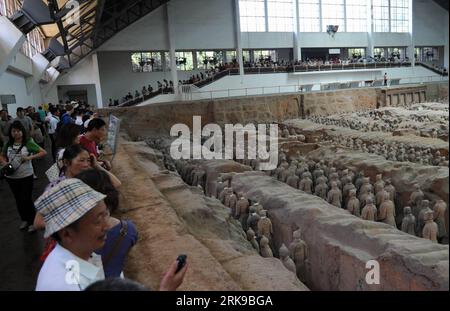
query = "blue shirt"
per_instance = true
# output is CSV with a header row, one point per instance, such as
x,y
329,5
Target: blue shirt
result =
x,y
114,267
66,119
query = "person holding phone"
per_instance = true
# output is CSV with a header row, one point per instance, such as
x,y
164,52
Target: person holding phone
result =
x,y
96,133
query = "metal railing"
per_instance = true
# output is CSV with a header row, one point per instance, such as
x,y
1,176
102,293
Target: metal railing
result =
x,y
193,91
350,66
309,88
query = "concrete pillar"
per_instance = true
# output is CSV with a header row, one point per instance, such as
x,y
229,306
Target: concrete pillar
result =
x,y
39,64
237,24
173,57
98,86
446,49
297,46
369,49
410,48
11,40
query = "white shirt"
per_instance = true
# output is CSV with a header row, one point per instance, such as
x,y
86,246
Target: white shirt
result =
x,y
79,120
63,271
53,121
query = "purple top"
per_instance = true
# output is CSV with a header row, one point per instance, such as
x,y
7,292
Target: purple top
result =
x,y
114,267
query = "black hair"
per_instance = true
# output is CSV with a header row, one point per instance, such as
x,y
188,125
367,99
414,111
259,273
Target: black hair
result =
x,y
53,109
100,182
67,135
18,126
19,109
116,284
71,153
96,123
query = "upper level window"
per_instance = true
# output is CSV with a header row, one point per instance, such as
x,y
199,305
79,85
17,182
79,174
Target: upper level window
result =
x,y
209,59
380,15
333,14
185,61
252,15
356,13
399,15
309,13
146,61
280,15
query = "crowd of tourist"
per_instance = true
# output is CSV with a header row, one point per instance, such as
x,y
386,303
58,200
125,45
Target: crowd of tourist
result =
x,y
76,209
167,86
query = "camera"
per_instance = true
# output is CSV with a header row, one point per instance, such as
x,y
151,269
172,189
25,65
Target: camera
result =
x,y
6,170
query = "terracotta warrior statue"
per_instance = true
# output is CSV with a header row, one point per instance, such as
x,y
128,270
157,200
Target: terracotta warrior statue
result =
x,y
228,194
305,184
430,228
390,189
416,200
265,248
242,210
222,195
286,260
232,202
439,210
386,212
359,180
253,218
334,196
379,183
265,226
409,221
353,206
424,209
299,253
366,186
321,190
292,181
347,187
252,239
369,212
380,197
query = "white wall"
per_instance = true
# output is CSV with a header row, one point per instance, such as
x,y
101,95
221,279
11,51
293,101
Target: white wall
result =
x,y
381,39
12,83
21,64
429,23
267,40
84,73
148,33
198,24
203,24
341,39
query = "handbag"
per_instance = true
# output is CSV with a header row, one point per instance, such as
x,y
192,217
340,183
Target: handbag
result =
x,y
9,169
53,172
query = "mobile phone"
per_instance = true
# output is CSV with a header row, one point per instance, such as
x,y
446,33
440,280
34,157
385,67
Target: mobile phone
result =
x,y
181,262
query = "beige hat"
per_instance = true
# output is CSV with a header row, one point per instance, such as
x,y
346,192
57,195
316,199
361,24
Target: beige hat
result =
x,y
65,203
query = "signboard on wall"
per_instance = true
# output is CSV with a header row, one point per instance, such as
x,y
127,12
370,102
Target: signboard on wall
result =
x,y
334,51
113,132
6,100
